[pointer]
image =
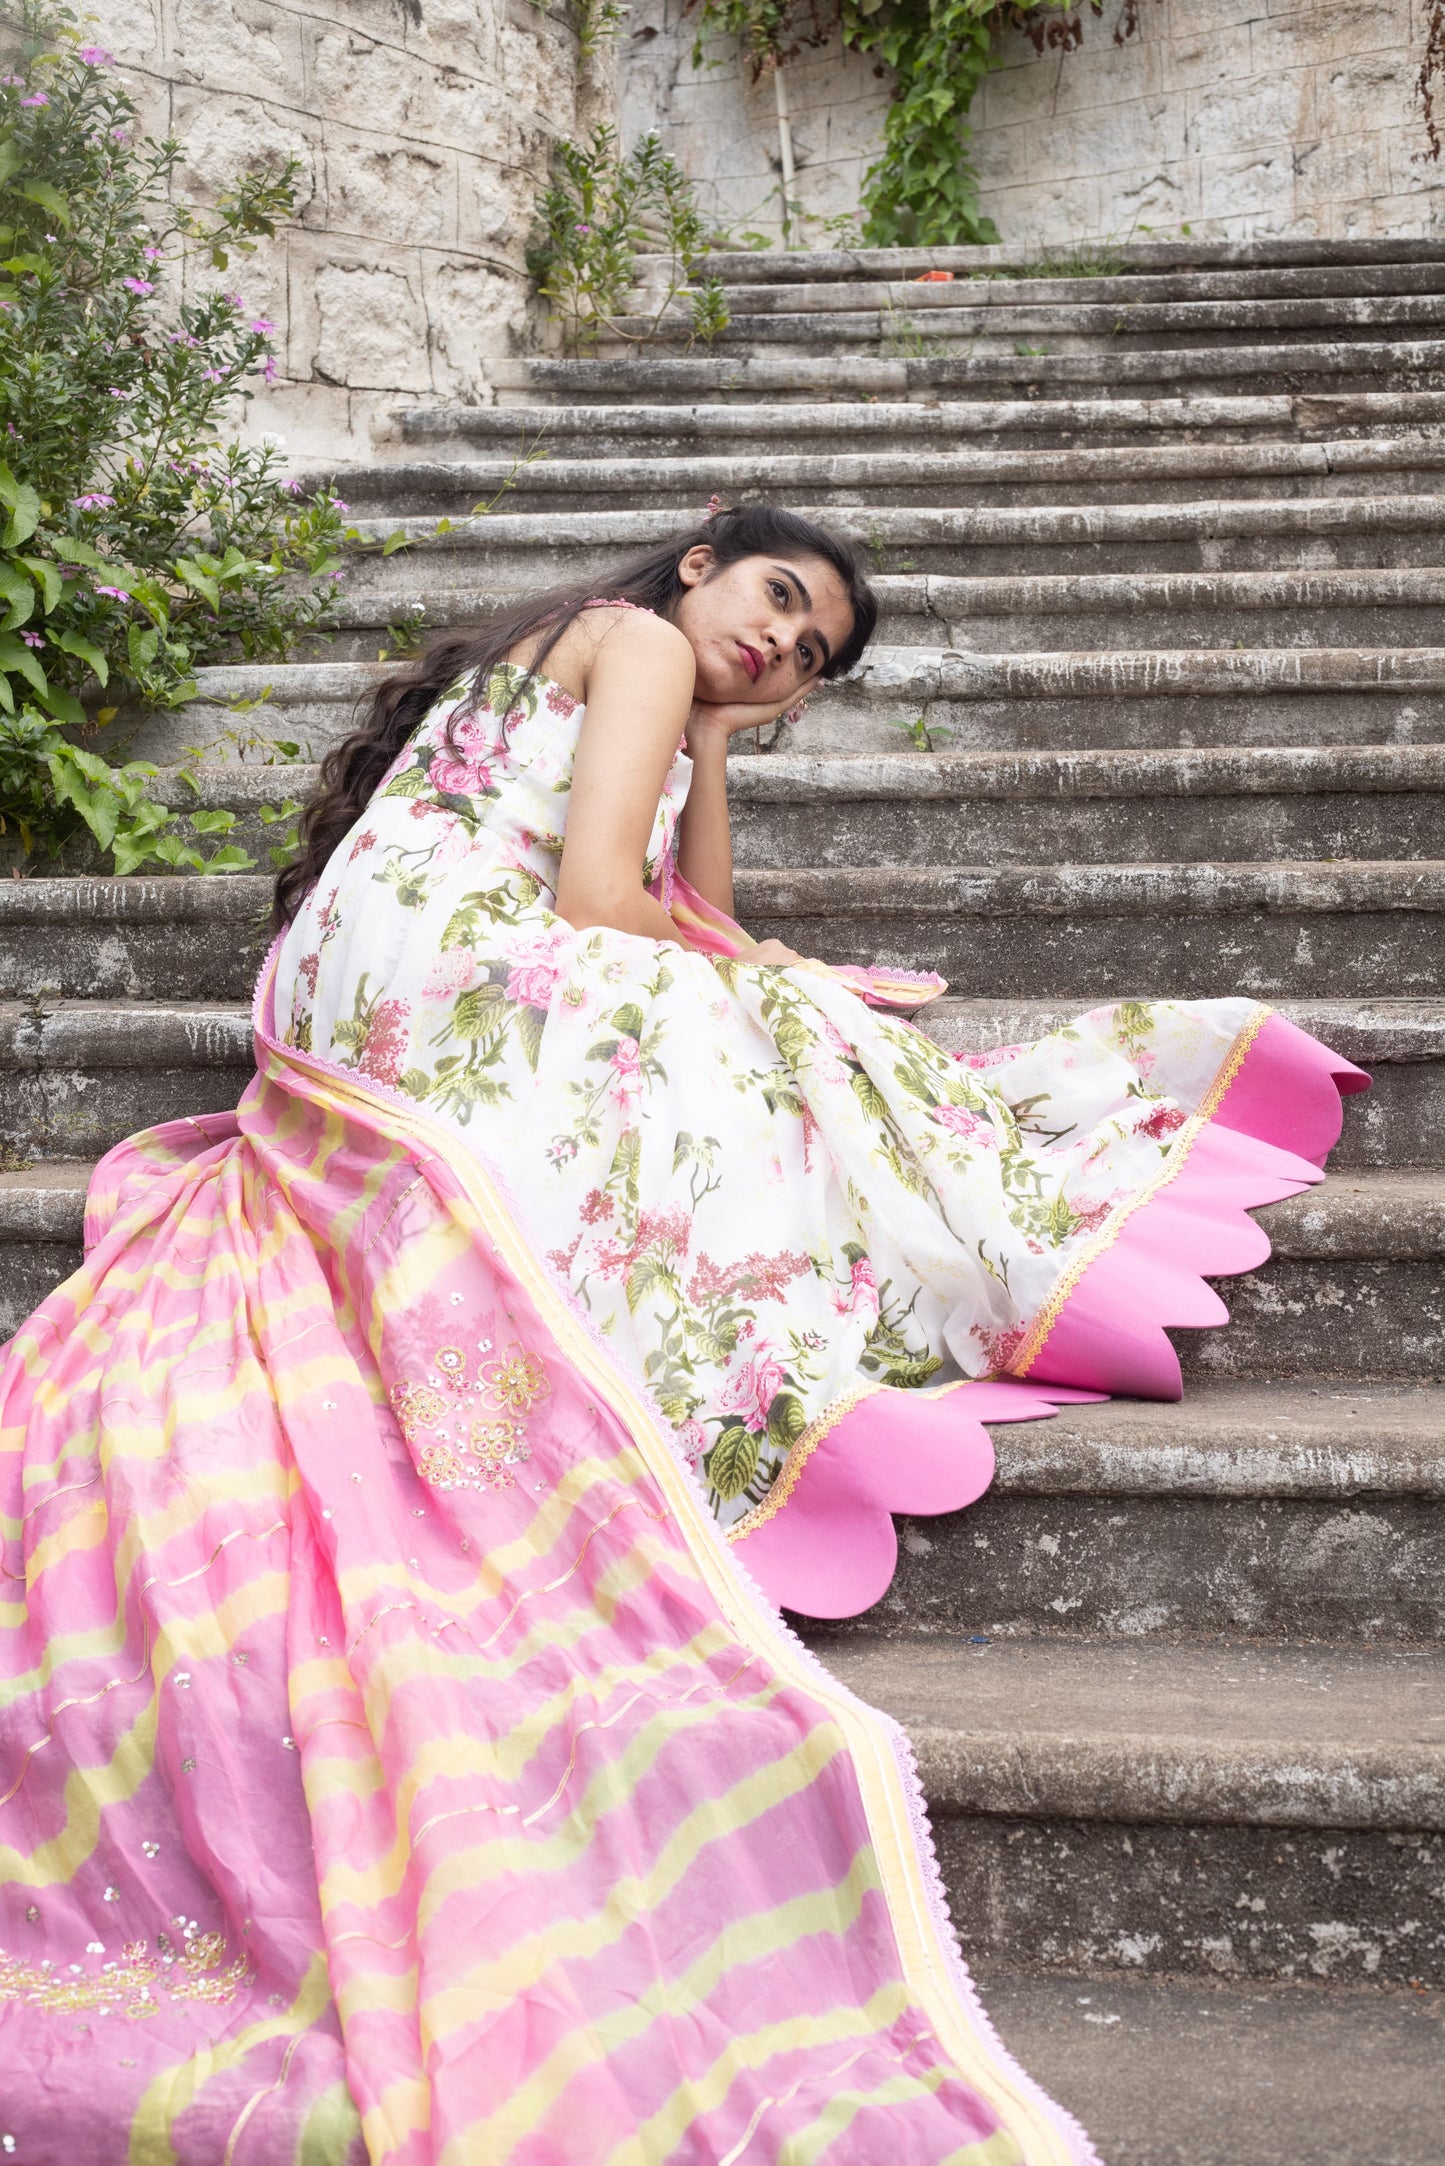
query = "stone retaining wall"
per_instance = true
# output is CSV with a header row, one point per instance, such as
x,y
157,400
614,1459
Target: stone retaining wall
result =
x,y
424,126
1237,118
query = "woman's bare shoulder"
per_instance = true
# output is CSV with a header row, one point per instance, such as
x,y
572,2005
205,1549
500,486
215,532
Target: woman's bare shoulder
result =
x,y
628,636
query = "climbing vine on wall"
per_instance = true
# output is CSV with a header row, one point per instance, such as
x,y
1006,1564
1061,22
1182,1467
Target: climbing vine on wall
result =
x,y
923,189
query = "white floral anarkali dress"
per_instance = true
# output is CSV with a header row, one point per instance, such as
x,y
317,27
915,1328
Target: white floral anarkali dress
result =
x,y
768,1197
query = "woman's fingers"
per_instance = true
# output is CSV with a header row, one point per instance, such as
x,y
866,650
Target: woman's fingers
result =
x,y
772,951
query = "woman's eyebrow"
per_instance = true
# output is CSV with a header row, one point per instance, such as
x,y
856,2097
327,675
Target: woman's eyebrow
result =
x,y
787,572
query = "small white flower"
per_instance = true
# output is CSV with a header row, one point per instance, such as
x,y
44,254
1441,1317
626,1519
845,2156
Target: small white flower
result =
x,y
328,1406
112,1895
328,1513
457,1300
151,1850
7,2143
181,1680
289,1743
356,1477
95,1947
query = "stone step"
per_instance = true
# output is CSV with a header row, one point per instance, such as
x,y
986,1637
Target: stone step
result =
x,y
1115,610
519,551
1338,2076
1181,931
1296,928
912,807
1373,365
1232,1810
731,431
895,316
1272,1511
965,701
1400,465
782,294
77,1076
1007,260
1355,1288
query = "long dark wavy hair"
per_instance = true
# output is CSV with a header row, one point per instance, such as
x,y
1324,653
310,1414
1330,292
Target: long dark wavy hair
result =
x,y
352,770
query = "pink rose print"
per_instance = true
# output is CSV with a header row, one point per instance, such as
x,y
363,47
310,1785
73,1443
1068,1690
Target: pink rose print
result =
x,y
752,1387
862,1292
559,701
1000,1347
461,778
626,1069
968,1127
994,1059
535,971
692,1440
307,968
365,841
1162,1122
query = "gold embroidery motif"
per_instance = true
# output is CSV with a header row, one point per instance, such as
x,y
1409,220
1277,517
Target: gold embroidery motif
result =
x,y
136,1986
479,1454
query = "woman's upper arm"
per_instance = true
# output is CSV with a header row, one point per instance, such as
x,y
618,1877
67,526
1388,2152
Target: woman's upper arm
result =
x,y
639,694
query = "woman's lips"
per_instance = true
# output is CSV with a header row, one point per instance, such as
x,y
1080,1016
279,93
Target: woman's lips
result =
x,y
752,660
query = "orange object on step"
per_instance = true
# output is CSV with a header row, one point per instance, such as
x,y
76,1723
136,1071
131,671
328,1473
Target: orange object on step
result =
x,y
934,278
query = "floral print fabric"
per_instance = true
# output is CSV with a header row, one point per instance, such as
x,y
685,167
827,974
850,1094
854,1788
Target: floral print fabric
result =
x,y
761,1191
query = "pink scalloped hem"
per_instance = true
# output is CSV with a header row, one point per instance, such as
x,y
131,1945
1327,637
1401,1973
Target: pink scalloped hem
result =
x,y
830,1549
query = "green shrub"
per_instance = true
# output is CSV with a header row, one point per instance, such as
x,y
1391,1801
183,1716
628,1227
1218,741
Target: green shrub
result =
x,y
137,540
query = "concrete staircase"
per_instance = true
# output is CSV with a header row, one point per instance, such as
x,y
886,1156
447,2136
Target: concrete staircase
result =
x,y
1162,557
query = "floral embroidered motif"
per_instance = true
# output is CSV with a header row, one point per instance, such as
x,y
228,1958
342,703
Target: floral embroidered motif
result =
x,y
479,1454
136,1985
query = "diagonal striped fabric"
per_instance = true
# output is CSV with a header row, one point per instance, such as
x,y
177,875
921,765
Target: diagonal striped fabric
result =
x,y
394,1763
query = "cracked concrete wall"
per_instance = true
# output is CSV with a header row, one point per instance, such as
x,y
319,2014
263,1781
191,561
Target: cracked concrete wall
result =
x,y
1237,118
424,128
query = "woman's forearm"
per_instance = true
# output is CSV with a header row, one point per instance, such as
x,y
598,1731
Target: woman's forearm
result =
x,y
641,914
705,850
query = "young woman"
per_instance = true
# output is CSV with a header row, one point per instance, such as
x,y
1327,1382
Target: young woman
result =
x,y
395,1722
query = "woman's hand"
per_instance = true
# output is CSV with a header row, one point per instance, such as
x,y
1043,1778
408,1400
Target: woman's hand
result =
x,y
707,720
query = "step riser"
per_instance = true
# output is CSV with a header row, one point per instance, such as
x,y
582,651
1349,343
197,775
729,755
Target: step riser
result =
x,y
859,718
1091,830
1176,957
903,486
1098,1897
983,333
1363,1569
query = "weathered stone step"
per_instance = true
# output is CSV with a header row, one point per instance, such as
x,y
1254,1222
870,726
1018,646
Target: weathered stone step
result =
x,y
1117,473
513,551
1355,1287
1362,696
1277,1511
1114,931
1229,1810
918,808
1359,364
609,431
1010,260
1294,928
1162,290
894,314
1337,2076
76,1076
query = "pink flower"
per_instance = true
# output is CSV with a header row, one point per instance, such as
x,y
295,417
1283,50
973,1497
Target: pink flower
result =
x,y
96,501
1000,1347
365,841
1161,1122
233,300
39,98
533,983
152,255
308,967
967,1126
692,1440
449,972
118,135
455,778
268,369
752,1387
597,1204
338,505
386,1041
210,376
862,1291
117,594
96,56
292,486
262,325
32,639
120,394
626,1067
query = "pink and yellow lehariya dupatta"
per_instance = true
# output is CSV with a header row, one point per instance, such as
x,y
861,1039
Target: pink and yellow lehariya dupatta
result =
x,y
395,1764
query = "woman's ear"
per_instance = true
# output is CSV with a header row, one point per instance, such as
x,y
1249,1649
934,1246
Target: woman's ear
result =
x,y
695,566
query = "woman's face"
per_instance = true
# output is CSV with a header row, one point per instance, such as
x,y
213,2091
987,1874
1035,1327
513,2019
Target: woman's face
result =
x,y
762,628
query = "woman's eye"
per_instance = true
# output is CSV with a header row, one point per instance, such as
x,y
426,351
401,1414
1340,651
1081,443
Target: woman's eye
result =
x,y
805,656
778,591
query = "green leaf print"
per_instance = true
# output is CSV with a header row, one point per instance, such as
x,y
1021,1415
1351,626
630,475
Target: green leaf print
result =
x,y
733,1461
411,782
529,1024
868,1095
786,1420
476,1011
628,1020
